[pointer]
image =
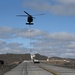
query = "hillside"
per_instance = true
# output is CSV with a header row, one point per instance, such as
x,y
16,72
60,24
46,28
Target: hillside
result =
x,y
40,57
10,58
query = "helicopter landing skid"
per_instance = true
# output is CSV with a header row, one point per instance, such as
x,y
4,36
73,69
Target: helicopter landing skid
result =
x,y
29,23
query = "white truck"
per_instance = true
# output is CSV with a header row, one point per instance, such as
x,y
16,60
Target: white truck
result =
x,y
36,61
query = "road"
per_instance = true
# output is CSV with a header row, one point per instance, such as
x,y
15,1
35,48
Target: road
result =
x,y
19,70
34,69
28,68
60,70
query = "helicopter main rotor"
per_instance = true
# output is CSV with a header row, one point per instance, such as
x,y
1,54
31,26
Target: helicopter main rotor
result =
x,y
29,18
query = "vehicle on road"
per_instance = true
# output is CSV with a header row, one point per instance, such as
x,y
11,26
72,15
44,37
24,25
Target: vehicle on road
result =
x,y
36,61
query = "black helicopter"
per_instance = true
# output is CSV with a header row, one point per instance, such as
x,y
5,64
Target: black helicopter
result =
x,y
29,18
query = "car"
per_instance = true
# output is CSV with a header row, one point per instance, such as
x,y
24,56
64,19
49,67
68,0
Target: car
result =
x,y
36,61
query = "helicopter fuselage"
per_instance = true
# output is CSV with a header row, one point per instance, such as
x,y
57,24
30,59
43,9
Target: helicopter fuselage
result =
x,y
30,19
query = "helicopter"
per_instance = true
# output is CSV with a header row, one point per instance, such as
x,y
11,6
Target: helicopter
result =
x,y
29,18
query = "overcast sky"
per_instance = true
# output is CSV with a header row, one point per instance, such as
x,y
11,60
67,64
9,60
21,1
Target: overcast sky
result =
x,y
52,34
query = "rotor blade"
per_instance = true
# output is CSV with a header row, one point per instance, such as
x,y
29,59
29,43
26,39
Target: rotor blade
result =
x,y
22,15
26,13
38,14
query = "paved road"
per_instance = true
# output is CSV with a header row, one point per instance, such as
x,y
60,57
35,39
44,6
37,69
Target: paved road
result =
x,y
60,70
34,69
19,70
28,68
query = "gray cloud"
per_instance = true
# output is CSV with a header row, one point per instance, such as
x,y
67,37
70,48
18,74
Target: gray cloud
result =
x,y
58,7
8,33
52,44
56,44
62,36
30,33
13,48
66,1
